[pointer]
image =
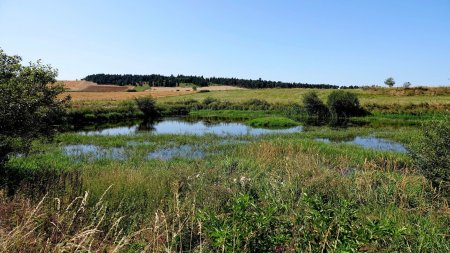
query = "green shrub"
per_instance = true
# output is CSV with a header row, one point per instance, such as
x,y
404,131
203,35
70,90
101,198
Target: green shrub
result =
x,y
128,106
314,106
148,107
432,154
343,104
256,104
247,226
209,100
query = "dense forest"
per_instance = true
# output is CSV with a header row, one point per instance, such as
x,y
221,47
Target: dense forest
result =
x,y
173,81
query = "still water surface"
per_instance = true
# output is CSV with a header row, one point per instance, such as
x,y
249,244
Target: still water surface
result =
x,y
180,126
370,142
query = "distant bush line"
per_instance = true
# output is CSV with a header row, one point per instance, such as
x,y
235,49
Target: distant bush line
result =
x,y
130,110
127,110
173,81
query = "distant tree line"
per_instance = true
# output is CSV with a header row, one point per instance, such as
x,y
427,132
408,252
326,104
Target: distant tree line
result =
x,y
152,80
173,81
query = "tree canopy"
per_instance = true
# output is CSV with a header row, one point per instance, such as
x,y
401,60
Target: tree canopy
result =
x,y
29,107
344,104
314,106
389,82
172,81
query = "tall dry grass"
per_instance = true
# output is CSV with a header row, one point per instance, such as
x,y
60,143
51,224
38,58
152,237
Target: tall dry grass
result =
x,y
48,226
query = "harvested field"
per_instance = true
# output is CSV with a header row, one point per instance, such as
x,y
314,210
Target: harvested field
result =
x,y
86,86
83,90
116,96
221,87
414,91
106,88
77,85
211,88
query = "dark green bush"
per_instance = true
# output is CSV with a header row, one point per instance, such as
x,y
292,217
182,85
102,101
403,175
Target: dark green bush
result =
x,y
147,105
29,104
314,106
190,102
432,154
209,100
343,104
256,104
173,109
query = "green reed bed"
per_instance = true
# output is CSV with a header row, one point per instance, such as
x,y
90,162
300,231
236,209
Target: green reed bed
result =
x,y
273,193
230,114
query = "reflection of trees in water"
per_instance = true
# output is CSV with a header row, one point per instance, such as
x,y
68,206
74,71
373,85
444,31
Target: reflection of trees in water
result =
x,y
102,126
148,125
333,122
342,139
212,121
209,123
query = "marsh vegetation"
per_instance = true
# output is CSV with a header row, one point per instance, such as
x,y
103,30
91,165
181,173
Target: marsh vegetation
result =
x,y
222,172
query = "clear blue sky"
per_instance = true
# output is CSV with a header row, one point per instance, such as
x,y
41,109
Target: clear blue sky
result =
x,y
338,42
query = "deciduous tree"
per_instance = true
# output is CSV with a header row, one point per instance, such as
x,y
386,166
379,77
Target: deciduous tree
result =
x,y
29,104
389,82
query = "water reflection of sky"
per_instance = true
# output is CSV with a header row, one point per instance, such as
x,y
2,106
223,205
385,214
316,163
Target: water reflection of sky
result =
x,y
91,151
370,142
173,126
183,151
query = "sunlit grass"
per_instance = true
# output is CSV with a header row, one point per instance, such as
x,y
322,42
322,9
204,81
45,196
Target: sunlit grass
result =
x,y
294,181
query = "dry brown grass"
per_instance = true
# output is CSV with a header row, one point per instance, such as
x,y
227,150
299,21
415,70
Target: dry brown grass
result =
x,y
50,226
89,91
75,227
105,88
77,85
415,91
118,96
92,87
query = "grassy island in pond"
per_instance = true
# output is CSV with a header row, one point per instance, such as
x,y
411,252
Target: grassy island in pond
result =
x,y
272,122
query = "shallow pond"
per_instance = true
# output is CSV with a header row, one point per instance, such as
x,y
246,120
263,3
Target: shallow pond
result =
x,y
228,134
94,152
180,126
183,151
370,142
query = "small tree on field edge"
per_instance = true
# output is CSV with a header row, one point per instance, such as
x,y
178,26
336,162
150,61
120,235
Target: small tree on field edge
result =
x,y
314,106
389,82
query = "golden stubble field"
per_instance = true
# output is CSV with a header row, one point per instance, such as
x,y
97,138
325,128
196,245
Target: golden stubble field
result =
x,y
83,92
89,91
117,96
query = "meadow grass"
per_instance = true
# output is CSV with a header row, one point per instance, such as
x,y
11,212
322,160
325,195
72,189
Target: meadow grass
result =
x,y
437,99
272,122
274,192
268,193
229,114
262,119
294,95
